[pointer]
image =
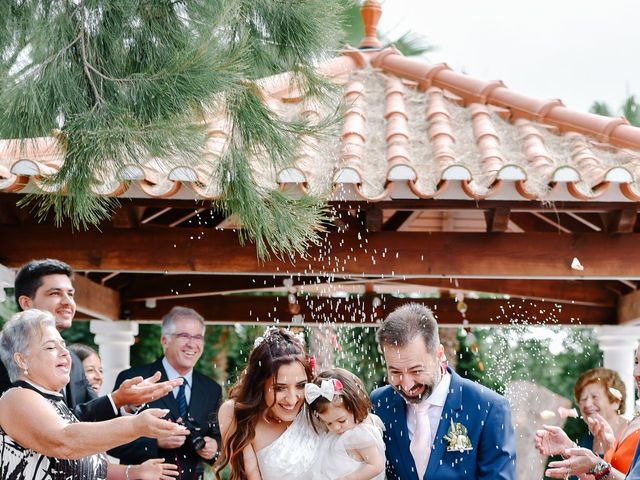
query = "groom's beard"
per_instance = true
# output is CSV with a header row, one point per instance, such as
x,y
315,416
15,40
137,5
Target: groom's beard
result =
x,y
420,391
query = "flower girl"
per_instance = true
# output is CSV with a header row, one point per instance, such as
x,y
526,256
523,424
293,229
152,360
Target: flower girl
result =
x,y
352,448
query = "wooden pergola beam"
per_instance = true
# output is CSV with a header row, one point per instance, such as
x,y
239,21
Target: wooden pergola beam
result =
x,y
584,292
8,201
359,310
95,300
167,286
355,254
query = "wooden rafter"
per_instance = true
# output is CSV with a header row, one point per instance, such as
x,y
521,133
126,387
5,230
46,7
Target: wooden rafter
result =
x,y
530,223
497,219
584,221
554,223
186,217
153,216
621,221
397,220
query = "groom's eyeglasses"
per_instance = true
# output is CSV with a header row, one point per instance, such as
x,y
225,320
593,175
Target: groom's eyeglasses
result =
x,y
185,337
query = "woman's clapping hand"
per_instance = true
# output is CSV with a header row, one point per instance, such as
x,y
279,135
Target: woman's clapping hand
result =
x,y
552,440
578,461
601,430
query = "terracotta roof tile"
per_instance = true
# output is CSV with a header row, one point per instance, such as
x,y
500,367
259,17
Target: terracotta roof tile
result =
x,y
411,129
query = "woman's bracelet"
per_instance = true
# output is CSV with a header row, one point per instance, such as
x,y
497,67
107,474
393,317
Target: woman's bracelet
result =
x,y
601,470
126,472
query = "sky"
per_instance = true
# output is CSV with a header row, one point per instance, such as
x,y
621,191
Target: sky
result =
x,y
575,50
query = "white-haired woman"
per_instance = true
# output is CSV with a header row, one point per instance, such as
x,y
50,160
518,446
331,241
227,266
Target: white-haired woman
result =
x,y
40,438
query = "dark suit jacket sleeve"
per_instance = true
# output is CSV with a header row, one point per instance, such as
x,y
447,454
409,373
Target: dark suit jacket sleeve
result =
x,y
139,450
5,383
96,410
497,447
215,425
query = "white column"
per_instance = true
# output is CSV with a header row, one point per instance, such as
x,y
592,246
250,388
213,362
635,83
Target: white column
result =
x,y
7,277
114,340
618,344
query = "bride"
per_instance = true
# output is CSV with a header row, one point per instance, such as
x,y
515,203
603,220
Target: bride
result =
x,y
266,434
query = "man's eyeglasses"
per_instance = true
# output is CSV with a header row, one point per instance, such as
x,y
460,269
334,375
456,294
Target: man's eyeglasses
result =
x,y
185,337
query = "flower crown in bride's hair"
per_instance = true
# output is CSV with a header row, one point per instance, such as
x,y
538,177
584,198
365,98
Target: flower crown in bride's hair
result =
x,y
268,333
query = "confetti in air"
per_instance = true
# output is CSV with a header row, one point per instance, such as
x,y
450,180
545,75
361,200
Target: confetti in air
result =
x,y
547,414
568,412
616,393
576,265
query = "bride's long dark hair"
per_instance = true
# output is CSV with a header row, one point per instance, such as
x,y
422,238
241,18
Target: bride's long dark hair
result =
x,y
278,347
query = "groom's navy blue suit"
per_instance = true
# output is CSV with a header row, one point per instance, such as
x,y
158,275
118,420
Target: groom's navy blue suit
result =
x,y
484,413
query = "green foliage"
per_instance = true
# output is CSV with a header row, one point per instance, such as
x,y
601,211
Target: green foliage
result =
x,y
409,43
522,353
238,348
121,82
8,307
360,355
630,109
79,333
146,348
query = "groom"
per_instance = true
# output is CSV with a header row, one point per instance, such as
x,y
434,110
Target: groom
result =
x,y
438,424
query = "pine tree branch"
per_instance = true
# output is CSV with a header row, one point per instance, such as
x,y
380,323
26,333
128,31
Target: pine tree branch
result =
x,y
85,62
106,77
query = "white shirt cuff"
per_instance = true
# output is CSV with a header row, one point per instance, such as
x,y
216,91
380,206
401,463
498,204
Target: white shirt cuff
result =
x,y
113,405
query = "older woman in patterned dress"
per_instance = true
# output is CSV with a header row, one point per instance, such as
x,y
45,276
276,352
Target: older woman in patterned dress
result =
x,y
40,438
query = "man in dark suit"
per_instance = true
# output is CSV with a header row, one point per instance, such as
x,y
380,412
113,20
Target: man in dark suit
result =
x,y
438,424
195,403
46,285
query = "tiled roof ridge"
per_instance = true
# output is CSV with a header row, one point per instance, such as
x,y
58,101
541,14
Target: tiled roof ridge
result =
x,y
615,131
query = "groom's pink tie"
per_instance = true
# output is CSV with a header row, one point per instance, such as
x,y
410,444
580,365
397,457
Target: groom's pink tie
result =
x,y
420,446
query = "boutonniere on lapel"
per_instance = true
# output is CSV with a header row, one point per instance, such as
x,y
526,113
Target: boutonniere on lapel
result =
x,y
458,438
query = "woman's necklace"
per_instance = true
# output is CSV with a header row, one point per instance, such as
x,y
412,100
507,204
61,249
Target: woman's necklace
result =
x,y
266,417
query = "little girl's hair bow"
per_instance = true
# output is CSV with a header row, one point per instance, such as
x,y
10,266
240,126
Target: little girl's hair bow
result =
x,y
327,389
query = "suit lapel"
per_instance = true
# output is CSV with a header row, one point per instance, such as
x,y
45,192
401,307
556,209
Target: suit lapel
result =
x,y
400,436
73,389
452,404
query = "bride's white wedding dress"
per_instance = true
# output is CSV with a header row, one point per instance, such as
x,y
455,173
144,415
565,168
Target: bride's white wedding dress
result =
x,y
293,454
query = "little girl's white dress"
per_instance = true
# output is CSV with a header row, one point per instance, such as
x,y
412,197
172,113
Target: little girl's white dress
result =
x,y
293,455
334,461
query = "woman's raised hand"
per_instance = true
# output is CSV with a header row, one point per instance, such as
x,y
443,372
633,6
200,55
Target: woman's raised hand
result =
x,y
150,423
551,440
601,430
